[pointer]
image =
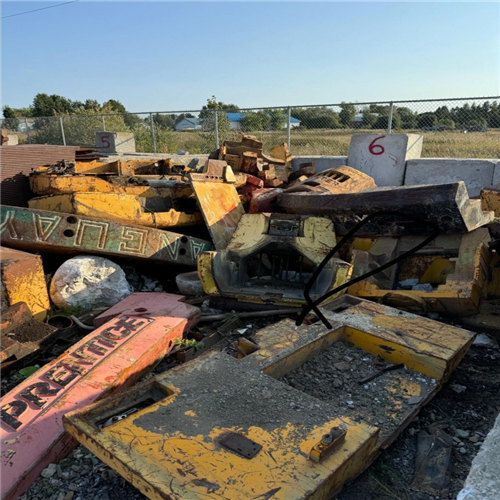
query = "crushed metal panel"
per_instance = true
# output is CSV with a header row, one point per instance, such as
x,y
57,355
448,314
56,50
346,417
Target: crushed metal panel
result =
x,y
170,447
23,279
446,205
218,201
152,212
335,180
111,357
270,259
455,266
45,231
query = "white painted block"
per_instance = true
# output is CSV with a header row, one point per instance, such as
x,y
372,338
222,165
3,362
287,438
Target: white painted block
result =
x,y
13,140
115,142
496,173
475,173
321,163
384,157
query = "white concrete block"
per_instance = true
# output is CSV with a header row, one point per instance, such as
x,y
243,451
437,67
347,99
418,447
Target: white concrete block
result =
x,y
115,142
496,173
384,157
475,173
13,140
321,163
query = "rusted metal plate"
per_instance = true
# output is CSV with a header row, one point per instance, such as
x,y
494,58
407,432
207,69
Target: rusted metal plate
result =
x,y
446,205
218,200
111,357
24,339
41,230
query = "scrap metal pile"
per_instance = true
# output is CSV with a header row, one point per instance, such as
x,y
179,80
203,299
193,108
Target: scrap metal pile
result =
x,y
258,239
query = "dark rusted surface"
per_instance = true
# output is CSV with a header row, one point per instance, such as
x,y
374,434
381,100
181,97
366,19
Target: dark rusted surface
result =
x,y
447,205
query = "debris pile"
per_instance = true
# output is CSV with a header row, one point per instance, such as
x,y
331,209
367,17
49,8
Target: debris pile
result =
x,y
375,277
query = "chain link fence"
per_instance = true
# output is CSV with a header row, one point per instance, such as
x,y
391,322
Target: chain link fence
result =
x,y
460,128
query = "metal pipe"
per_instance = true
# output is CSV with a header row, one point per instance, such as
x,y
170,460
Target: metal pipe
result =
x,y
153,138
288,126
103,123
389,122
62,130
27,130
216,122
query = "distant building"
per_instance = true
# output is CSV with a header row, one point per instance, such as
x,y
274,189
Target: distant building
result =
x,y
235,120
26,124
188,124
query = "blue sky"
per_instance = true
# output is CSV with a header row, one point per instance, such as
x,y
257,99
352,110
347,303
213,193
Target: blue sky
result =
x,y
174,56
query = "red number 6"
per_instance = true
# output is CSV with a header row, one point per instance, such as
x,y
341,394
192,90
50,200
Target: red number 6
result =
x,y
376,149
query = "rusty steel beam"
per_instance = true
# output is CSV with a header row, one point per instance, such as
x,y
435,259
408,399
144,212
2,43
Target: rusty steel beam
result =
x,y
112,357
45,231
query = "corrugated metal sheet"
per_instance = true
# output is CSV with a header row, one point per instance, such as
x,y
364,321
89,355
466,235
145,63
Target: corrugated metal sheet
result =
x,y
16,163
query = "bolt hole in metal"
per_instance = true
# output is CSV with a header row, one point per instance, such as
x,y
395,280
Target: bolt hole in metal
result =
x,y
140,309
69,233
184,239
182,251
71,220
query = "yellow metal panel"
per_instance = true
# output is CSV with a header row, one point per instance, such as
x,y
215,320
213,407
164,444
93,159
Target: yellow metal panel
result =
x,y
46,184
23,280
118,207
219,201
464,287
204,261
490,200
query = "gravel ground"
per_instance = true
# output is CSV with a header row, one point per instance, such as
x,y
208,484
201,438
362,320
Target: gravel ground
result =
x,y
467,414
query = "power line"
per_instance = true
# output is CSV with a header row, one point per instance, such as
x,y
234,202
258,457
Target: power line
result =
x,y
36,10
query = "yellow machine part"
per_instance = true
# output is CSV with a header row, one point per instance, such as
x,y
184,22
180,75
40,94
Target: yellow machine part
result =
x,y
255,233
463,288
490,200
117,207
221,428
48,184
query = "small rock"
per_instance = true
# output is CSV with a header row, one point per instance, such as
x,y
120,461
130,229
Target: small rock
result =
x,y
423,287
484,340
337,383
458,388
414,400
462,450
55,483
72,487
342,366
69,495
49,471
474,439
412,431
266,394
462,434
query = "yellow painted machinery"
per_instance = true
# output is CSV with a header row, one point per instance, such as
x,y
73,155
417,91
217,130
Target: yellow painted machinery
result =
x,y
271,257
450,275
152,212
224,428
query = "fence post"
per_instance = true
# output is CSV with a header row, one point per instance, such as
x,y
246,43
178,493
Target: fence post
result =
x,y
288,126
62,130
103,123
216,122
152,131
389,124
27,130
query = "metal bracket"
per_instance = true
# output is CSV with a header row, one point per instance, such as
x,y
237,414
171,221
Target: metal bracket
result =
x,y
327,444
240,444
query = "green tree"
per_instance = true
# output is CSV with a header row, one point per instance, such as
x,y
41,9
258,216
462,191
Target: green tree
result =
x,y
278,118
164,122
369,118
316,117
408,117
255,121
383,121
425,120
10,122
208,113
50,105
347,114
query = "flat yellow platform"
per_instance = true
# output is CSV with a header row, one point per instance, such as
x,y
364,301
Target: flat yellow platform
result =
x,y
222,428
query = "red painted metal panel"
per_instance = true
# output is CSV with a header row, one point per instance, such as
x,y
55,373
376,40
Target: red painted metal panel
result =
x,y
111,357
